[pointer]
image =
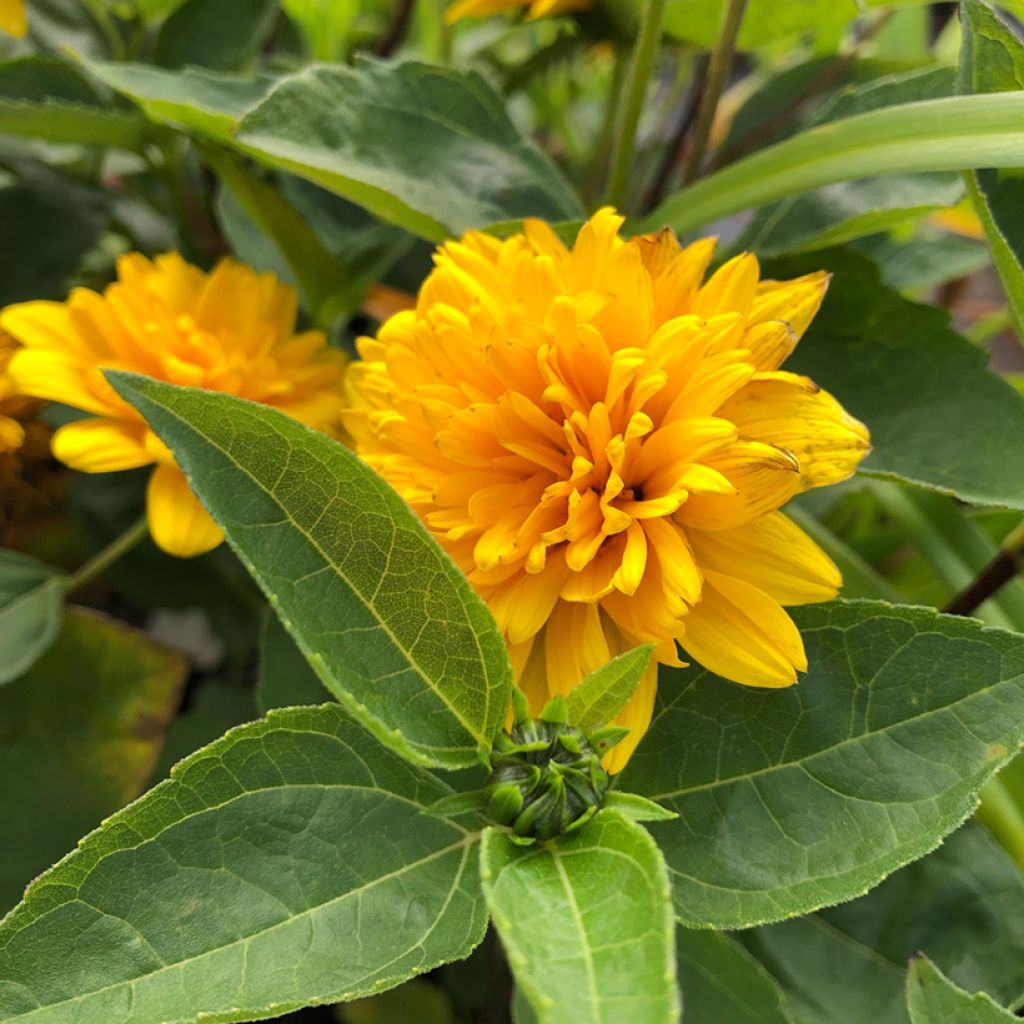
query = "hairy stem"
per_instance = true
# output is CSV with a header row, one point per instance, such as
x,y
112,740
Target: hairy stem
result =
x,y
102,561
1003,568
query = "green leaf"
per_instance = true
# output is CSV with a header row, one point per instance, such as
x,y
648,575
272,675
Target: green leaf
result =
x,y
428,148
586,922
285,865
992,61
286,679
925,261
637,808
933,999
962,905
764,22
208,103
81,733
851,209
876,754
31,611
953,134
417,1000
599,697
867,347
387,620
325,24
721,981
220,34
46,98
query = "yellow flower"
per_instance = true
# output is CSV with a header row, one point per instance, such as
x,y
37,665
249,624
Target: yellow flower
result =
x,y
960,220
12,17
537,8
602,443
230,330
13,406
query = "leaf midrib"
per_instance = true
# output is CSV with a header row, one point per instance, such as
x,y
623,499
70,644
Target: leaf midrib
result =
x,y
478,735
466,841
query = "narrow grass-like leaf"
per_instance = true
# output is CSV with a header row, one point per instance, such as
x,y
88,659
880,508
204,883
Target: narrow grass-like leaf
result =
x,y
81,732
953,134
384,616
934,999
599,697
793,799
586,922
284,865
428,148
992,61
31,611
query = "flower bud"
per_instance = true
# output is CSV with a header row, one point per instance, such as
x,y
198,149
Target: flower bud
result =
x,y
547,778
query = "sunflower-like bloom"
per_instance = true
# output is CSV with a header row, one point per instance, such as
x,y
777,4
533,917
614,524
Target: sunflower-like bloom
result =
x,y
230,330
537,8
602,442
12,17
13,406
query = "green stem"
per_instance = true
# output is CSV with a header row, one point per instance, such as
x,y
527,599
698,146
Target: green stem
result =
x,y
1004,819
718,70
106,25
641,68
102,561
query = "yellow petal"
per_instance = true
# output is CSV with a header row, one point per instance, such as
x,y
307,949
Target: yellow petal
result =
x,y
739,632
791,412
12,434
12,17
101,446
773,554
794,301
57,377
178,522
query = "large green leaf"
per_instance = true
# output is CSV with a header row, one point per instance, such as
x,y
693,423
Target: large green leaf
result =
x,y
286,864
851,209
721,981
46,98
586,922
81,733
953,134
793,799
962,905
208,103
31,610
384,616
938,417
992,61
425,147
933,999
220,34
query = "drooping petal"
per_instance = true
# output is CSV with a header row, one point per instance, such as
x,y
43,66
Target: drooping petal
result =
x,y
791,412
773,554
101,446
177,521
739,632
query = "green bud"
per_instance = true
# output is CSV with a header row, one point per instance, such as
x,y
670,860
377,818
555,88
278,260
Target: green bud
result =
x,y
547,777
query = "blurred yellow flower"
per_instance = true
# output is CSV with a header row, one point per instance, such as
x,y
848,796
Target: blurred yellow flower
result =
x,y
12,17
602,442
12,405
537,8
230,330
960,220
